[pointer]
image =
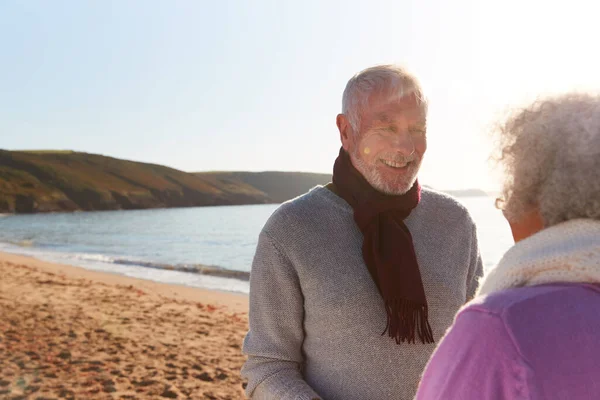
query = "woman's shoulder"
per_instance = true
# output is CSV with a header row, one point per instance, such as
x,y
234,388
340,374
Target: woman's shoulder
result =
x,y
522,298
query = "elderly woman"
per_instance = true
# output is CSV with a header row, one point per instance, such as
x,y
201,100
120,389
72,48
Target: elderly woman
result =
x,y
533,331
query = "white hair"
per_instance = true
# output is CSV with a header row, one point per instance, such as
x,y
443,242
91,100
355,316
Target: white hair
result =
x,y
393,80
550,152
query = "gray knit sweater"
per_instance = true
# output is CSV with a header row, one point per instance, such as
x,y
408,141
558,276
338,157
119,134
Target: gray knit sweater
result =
x,y
316,316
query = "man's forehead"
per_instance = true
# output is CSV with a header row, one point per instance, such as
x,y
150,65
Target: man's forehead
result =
x,y
383,107
392,110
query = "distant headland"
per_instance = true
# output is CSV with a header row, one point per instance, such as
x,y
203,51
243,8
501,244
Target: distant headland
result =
x,y
50,181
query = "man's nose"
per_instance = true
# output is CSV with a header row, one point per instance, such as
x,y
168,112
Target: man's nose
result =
x,y
403,144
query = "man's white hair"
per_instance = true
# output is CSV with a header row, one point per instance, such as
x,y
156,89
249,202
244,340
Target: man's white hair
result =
x,y
550,152
392,80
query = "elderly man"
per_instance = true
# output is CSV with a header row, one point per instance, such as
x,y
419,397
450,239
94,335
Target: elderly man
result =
x,y
353,282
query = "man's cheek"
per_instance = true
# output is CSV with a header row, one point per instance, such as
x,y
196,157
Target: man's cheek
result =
x,y
368,154
369,148
421,146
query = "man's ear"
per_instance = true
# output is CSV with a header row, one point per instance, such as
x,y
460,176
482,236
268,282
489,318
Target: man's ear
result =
x,y
345,130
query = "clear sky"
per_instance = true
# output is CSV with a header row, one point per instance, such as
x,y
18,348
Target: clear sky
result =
x,y
256,85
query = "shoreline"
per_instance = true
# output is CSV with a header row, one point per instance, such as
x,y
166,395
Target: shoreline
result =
x,y
236,301
71,332
197,276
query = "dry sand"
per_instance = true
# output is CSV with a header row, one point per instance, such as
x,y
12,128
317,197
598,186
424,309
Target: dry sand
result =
x,y
67,332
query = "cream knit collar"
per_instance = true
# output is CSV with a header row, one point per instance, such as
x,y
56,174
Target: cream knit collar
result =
x,y
567,252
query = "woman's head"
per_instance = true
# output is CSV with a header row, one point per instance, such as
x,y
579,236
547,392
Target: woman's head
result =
x,y
550,153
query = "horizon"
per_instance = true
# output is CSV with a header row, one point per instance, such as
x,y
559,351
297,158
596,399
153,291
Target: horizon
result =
x,y
256,87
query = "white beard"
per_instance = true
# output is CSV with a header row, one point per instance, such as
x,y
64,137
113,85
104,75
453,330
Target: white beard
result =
x,y
395,187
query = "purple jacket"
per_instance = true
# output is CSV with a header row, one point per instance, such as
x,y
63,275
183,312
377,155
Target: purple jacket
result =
x,y
539,342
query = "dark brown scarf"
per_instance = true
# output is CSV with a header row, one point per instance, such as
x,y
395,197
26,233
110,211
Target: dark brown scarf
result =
x,y
388,250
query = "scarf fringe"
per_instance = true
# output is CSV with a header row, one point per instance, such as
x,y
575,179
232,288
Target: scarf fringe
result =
x,y
406,320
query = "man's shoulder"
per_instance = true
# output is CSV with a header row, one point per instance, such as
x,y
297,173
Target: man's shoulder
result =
x,y
299,210
436,197
443,203
308,200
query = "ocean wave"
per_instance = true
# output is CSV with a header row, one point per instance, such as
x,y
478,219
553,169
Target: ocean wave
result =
x,y
211,270
22,243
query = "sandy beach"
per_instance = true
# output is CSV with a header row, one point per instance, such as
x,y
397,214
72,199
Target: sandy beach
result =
x,y
67,332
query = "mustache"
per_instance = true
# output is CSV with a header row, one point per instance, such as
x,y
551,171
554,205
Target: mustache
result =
x,y
399,158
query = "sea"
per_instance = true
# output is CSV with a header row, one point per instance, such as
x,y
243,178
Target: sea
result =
x,y
206,247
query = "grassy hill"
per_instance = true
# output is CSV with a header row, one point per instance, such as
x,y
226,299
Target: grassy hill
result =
x,y
42,181
277,186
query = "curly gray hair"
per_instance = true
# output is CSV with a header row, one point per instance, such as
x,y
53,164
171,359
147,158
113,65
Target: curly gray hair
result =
x,y
550,153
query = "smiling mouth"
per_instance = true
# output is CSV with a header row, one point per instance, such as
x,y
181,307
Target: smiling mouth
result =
x,y
393,164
